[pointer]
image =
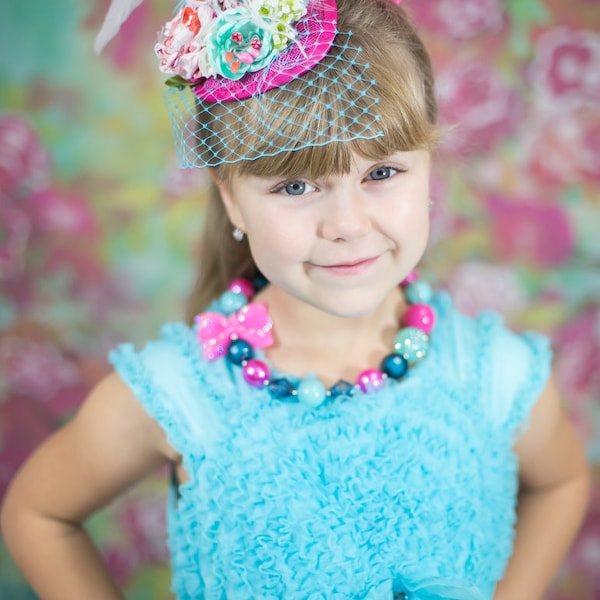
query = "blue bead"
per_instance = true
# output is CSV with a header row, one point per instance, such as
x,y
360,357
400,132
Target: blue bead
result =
x,y
259,281
418,292
239,351
311,392
341,388
412,343
281,389
394,366
232,301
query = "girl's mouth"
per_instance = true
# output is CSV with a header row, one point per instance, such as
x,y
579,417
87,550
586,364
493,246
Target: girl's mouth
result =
x,y
354,267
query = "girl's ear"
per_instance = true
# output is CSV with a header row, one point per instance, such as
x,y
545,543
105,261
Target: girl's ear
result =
x,y
227,198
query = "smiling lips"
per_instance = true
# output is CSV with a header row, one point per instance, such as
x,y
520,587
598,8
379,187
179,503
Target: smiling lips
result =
x,y
349,268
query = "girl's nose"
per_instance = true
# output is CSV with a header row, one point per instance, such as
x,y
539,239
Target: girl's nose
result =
x,y
346,217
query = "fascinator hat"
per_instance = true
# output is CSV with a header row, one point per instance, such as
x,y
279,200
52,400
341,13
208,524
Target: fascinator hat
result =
x,y
255,78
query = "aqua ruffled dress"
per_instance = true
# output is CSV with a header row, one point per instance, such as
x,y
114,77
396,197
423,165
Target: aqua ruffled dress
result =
x,y
406,493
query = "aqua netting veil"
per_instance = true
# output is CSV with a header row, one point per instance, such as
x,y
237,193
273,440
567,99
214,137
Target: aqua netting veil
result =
x,y
259,77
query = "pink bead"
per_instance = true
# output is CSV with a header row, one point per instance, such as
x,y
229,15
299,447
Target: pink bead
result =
x,y
420,316
370,380
242,286
256,373
410,278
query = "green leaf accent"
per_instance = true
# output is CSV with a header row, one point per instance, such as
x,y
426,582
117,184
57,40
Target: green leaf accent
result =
x,y
179,82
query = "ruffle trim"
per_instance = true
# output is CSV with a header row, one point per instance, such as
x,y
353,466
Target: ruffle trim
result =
x,y
541,350
130,366
536,349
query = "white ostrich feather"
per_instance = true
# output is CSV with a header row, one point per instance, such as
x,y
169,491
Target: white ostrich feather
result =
x,y
117,14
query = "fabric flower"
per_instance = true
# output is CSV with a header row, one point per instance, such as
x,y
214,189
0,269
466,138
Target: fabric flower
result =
x,y
180,52
283,13
239,44
206,39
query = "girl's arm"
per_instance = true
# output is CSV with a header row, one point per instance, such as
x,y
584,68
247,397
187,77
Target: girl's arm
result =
x,y
554,491
110,444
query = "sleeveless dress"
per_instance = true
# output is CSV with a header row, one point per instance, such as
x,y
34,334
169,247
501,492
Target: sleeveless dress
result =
x,y
406,493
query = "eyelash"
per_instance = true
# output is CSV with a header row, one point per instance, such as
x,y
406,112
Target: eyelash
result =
x,y
280,189
394,170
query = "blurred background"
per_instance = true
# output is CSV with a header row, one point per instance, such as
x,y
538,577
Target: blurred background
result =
x,y
99,228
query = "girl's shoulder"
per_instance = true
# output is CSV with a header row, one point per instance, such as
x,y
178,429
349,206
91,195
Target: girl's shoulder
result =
x,y
167,378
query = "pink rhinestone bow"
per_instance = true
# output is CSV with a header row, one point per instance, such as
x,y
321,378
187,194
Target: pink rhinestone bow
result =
x,y
251,323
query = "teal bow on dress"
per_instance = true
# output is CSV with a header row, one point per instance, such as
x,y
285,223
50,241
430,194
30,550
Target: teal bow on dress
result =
x,y
437,588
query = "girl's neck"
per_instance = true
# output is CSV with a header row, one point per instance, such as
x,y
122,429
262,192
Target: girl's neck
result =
x,y
309,340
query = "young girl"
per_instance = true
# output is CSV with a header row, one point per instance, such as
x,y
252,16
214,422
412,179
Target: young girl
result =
x,y
335,430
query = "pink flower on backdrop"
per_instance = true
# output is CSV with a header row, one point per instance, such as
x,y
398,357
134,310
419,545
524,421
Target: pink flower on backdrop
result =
x,y
23,426
461,19
36,369
566,64
24,165
144,521
477,286
121,561
531,230
15,228
41,384
578,363
563,145
62,212
478,104
143,542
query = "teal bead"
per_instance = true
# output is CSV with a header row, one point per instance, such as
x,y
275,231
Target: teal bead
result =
x,y
394,366
418,292
311,392
239,351
412,343
232,301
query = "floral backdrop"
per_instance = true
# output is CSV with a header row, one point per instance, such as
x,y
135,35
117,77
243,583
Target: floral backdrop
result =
x,y
98,227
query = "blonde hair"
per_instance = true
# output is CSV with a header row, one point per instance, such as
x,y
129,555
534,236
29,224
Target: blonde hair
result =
x,y
400,75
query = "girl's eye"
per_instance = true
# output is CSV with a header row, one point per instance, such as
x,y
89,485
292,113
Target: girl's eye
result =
x,y
295,188
382,173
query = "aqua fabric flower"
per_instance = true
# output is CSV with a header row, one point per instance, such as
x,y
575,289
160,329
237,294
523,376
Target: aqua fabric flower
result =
x,y
238,44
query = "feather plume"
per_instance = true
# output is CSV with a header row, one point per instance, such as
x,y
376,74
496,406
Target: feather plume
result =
x,y
117,14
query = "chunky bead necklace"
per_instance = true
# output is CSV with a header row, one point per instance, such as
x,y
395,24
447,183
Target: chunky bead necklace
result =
x,y
241,326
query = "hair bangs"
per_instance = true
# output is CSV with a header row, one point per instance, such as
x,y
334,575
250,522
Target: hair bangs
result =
x,y
402,123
